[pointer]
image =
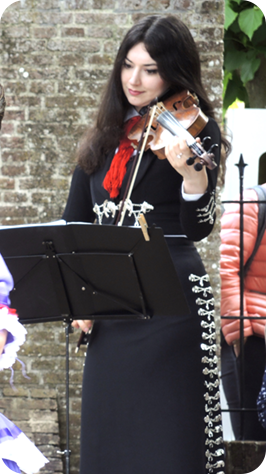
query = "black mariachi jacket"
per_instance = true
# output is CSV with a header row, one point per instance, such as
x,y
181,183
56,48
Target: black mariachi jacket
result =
x,y
157,184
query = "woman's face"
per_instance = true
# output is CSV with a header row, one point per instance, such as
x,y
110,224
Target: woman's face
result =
x,y
140,79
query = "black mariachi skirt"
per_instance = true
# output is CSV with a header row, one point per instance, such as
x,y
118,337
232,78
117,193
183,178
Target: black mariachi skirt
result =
x,y
150,390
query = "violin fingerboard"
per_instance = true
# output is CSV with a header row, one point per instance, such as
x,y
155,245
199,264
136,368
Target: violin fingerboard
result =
x,y
168,121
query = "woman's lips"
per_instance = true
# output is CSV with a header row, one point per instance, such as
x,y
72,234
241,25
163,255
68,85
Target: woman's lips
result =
x,y
134,92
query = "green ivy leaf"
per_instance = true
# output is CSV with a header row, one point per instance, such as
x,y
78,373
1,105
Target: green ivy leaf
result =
x,y
262,3
227,77
235,90
230,15
259,36
249,20
234,59
249,67
261,49
231,94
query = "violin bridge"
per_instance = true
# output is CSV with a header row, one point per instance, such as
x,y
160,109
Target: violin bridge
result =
x,y
144,226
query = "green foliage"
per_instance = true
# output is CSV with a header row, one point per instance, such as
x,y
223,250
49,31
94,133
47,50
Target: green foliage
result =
x,y
244,45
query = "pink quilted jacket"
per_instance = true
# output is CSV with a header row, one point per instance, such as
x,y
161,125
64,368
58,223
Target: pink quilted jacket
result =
x,y
255,281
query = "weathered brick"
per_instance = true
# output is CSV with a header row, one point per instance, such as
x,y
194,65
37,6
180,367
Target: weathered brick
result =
x,y
44,32
183,4
17,31
126,5
15,115
154,6
17,211
18,392
17,155
76,4
103,4
10,15
71,60
101,59
18,170
7,129
53,18
12,142
79,32
7,183
14,197
14,87
101,18
42,87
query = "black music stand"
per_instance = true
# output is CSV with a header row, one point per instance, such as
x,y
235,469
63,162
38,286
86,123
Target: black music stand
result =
x,y
84,271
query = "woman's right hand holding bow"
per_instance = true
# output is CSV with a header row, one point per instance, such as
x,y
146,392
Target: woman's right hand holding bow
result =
x,y
84,324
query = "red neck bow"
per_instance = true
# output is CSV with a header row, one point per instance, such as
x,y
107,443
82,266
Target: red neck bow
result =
x,y
116,173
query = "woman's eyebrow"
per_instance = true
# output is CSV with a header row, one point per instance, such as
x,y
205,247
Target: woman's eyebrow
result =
x,y
152,64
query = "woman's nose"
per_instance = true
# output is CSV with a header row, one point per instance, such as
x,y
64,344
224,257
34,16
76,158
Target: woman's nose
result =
x,y
135,77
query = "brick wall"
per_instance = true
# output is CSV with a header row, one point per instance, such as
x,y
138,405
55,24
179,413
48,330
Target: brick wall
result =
x,y
54,60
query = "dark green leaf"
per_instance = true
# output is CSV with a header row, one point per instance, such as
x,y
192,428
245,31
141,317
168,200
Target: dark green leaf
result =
x,y
231,94
234,27
235,90
259,36
234,59
261,49
248,69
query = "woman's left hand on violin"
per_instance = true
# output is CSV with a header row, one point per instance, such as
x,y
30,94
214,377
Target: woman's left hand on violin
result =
x,y
177,152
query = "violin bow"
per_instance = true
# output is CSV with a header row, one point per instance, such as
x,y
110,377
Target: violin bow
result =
x,y
136,164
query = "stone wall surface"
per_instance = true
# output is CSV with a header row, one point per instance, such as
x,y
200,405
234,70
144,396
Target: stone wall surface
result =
x,y
55,56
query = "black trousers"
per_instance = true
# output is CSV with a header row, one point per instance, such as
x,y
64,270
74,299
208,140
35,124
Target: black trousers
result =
x,y
254,366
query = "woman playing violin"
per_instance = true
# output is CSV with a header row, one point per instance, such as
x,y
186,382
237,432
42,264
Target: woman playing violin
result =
x,y
150,389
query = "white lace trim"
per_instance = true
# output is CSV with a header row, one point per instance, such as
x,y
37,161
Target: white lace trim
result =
x,y
109,208
13,326
206,213
213,419
22,451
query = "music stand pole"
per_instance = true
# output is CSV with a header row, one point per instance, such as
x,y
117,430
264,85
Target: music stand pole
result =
x,y
66,453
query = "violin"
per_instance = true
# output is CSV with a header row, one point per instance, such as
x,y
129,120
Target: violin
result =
x,y
181,116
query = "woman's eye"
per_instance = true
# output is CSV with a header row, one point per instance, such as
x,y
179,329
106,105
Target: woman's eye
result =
x,y
152,71
127,65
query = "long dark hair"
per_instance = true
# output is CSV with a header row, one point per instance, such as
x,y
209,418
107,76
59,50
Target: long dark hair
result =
x,y
170,43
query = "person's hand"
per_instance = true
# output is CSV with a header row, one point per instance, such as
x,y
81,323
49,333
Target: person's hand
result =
x,y
84,324
177,152
3,338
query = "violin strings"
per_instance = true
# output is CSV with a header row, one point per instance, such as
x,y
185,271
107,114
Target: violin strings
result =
x,y
168,121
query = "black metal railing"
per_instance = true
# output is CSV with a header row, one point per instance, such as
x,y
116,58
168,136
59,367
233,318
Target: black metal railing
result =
x,y
241,409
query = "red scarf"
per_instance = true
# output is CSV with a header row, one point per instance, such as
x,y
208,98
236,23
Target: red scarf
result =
x,y
116,173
